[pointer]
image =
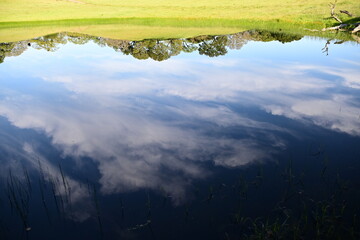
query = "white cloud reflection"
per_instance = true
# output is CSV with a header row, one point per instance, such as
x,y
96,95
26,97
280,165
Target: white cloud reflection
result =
x,y
154,125
20,157
137,149
279,88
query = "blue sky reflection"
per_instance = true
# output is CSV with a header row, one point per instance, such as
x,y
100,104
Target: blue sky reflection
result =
x,y
152,124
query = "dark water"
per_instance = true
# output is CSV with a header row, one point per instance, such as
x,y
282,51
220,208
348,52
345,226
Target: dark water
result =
x,y
247,136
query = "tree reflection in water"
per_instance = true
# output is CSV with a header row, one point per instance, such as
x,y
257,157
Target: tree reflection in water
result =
x,y
300,197
158,50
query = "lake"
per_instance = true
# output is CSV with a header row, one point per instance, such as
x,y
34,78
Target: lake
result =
x,y
252,135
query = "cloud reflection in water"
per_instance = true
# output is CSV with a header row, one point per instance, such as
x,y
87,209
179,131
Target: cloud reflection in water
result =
x,y
156,124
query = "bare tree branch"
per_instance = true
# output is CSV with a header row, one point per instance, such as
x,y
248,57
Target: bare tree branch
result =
x,y
339,27
346,12
357,29
333,14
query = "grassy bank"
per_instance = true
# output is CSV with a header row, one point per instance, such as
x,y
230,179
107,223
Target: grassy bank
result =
x,y
137,28
289,10
139,19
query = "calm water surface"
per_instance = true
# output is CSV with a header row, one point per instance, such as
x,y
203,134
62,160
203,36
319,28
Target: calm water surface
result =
x,y
260,138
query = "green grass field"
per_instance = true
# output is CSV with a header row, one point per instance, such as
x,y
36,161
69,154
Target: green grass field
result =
x,y
21,19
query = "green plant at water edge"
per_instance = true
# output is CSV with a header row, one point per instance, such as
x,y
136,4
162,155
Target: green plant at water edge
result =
x,y
19,197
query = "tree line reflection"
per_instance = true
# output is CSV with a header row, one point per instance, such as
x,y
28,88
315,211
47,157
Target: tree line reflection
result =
x,y
158,50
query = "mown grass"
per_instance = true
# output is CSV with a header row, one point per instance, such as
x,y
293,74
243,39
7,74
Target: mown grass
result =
x,y
288,10
135,28
139,29
140,19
